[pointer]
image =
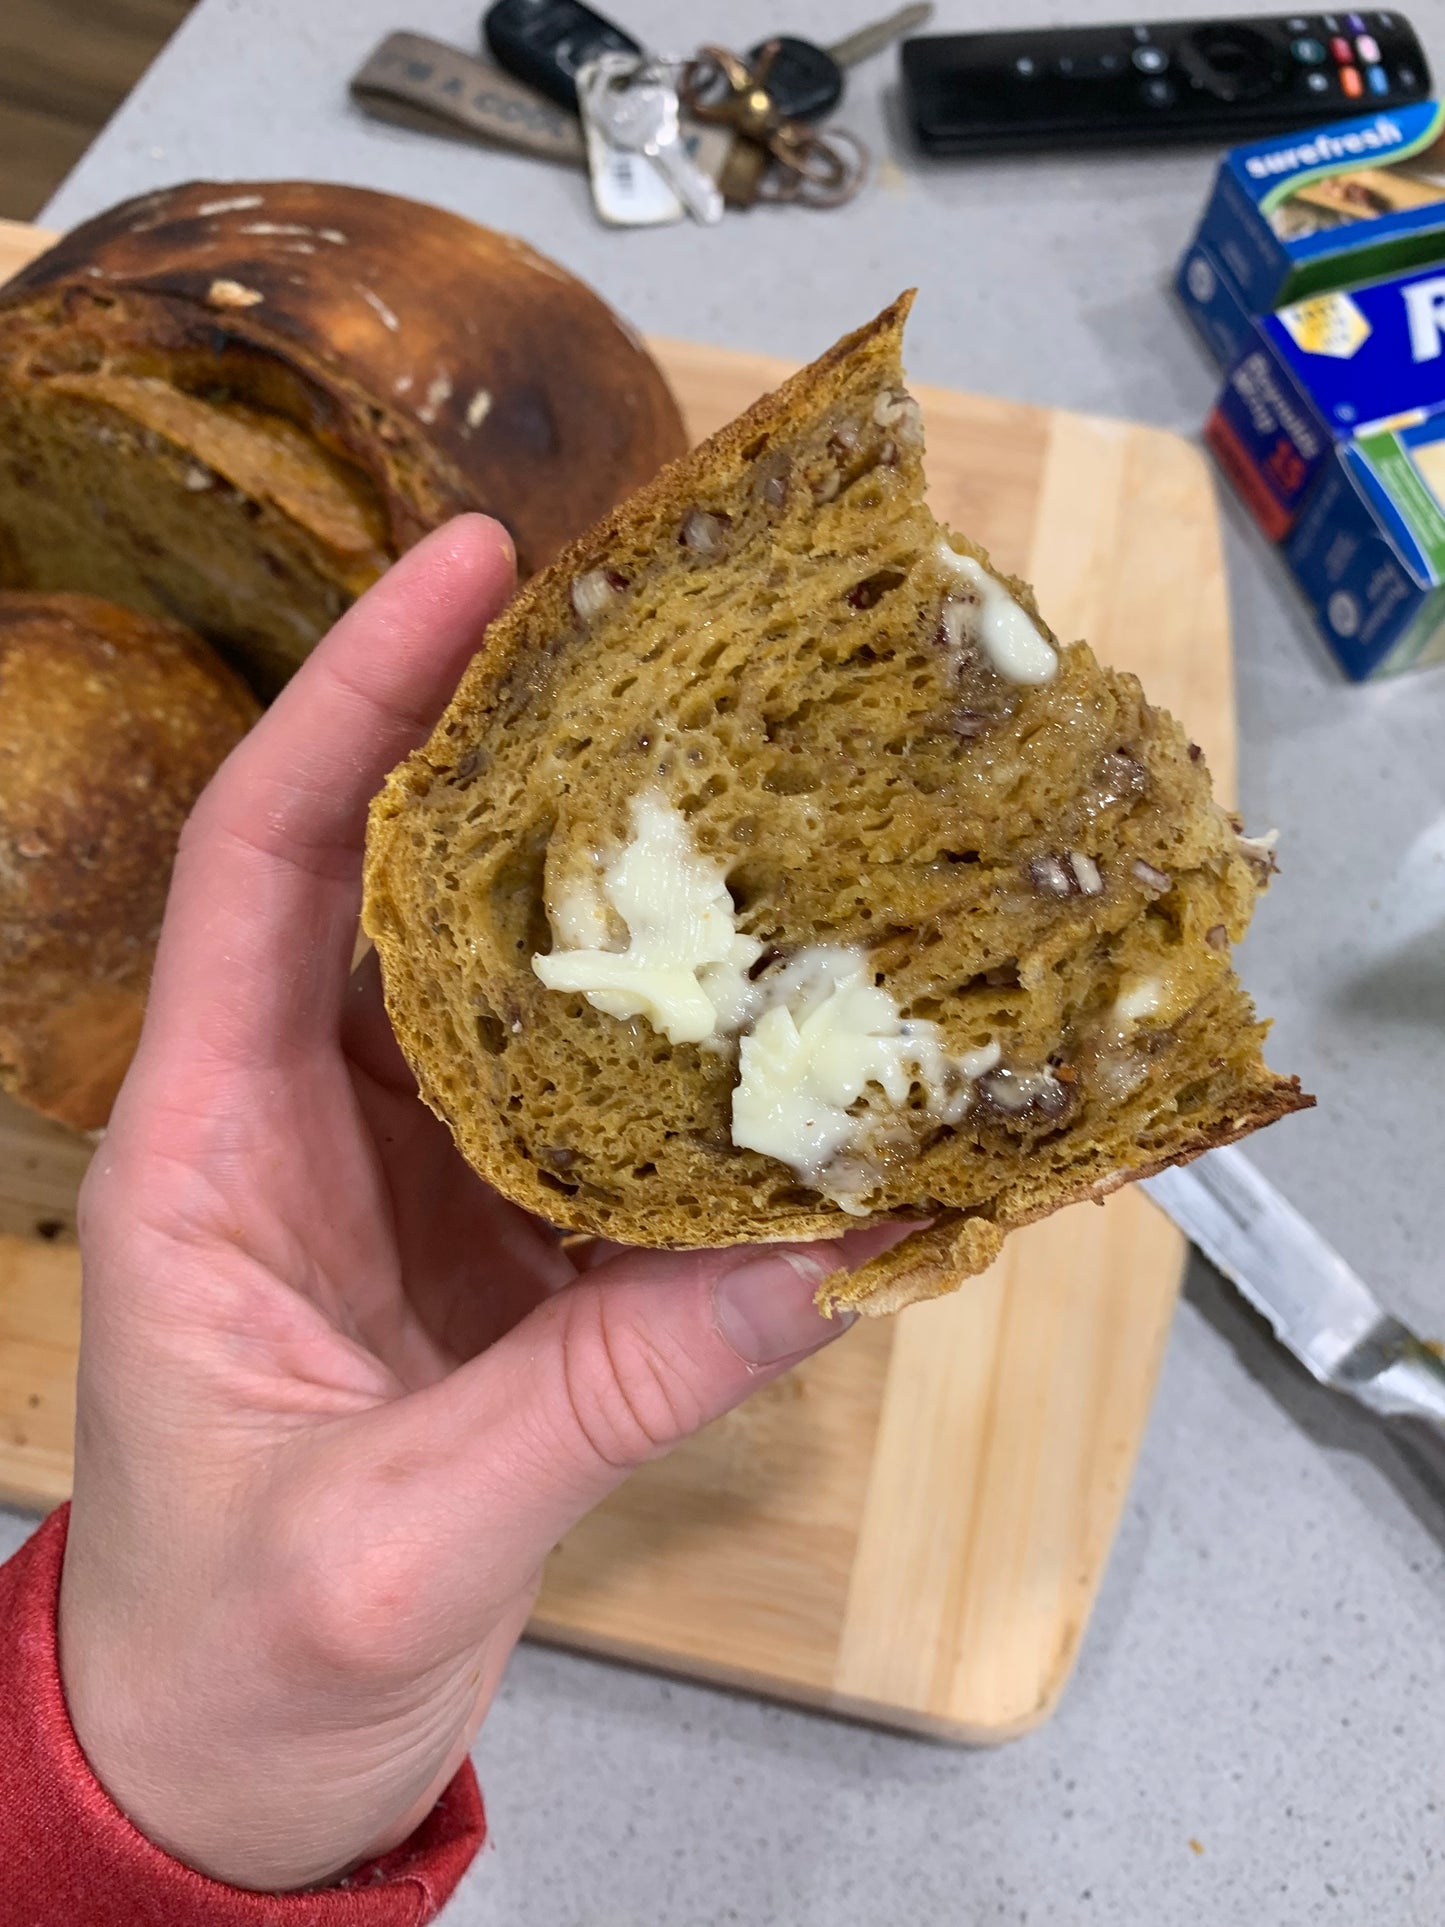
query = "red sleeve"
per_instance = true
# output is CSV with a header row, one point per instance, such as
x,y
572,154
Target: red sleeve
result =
x,y
68,1854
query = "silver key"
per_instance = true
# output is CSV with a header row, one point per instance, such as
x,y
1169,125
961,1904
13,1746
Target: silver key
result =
x,y
640,113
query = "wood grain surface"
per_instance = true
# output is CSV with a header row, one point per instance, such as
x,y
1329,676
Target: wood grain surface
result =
x,y
911,1527
65,66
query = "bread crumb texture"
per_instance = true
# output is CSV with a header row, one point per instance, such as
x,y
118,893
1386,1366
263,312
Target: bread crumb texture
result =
x,y
903,782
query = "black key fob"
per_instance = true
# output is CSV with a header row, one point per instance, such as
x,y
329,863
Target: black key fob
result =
x,y
804,81
544,42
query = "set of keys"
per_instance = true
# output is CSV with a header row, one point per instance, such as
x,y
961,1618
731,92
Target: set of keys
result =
x,y
667,137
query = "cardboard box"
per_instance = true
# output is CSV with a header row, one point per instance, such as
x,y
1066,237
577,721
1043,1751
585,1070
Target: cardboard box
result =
x,y
1215,304
1322,371
1369,549
1306,213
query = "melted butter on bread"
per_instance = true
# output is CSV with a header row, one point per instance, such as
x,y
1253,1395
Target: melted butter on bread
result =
x,y
1004,629
684,965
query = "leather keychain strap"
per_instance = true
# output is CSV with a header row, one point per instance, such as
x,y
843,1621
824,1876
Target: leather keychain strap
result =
x,y
423,83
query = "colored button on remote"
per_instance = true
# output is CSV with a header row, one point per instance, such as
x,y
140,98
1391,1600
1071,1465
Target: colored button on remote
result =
x,y
1351,82
1307,51
1379,80
1368,48
1317,82
1342,51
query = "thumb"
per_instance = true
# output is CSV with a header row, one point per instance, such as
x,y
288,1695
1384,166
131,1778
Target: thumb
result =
x,y
614,1370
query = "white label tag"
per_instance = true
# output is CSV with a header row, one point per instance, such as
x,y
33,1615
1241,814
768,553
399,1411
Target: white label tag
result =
x,y
628,189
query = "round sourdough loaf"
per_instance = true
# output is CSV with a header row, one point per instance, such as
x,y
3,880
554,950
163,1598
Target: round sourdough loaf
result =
x,y
235,403
111,724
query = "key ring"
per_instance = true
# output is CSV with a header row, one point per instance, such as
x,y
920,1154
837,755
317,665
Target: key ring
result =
x,y
813,169
825,173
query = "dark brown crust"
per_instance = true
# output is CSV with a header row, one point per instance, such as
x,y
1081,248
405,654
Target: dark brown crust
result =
x,y
111,724
959,1245
390,333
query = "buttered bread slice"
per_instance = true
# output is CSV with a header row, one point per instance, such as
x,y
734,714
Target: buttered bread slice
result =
x,y
776,869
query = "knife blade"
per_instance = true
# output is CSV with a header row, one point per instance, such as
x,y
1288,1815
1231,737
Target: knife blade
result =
x,y
1318,1307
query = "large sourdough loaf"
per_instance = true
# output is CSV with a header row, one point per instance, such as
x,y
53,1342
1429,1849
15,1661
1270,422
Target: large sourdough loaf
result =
x,y
235,403
111,725
775,869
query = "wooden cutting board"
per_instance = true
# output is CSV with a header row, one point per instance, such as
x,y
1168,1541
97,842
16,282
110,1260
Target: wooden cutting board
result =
x,y
911,1527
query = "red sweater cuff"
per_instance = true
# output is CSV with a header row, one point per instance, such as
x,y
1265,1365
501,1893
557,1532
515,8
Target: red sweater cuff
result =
x,y
68,1854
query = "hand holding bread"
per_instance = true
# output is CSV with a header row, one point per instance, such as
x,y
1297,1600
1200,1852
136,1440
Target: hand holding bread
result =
x,y
340,1398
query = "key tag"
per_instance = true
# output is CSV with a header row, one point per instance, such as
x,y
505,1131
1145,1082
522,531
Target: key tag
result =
x,y
627,190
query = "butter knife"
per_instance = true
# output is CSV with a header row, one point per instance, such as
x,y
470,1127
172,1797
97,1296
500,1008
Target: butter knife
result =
x,y
1319,1308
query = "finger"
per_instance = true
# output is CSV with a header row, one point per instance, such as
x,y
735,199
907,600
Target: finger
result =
x,y
263,904
508,1453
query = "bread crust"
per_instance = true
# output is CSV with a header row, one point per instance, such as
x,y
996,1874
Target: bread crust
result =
x,y
934,1261
111,724
457,367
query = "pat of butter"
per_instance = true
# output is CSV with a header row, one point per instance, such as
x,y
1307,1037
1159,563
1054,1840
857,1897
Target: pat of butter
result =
x,y
685,964
830,1032
1143,998
1010,639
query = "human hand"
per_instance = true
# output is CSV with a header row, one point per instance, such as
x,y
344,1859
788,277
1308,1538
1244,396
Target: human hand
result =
x,y
337,1399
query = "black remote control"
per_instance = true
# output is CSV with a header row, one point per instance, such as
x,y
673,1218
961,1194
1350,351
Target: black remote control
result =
x,y
1174,80
544,42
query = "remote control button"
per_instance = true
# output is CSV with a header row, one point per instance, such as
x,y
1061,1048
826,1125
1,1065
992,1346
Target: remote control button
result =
x,y
1159,92
1298,24
1406,77
1351,82
1026,66
1150,60
1317,82
1307,51
1368,48
1357,23
1343,52
1379,80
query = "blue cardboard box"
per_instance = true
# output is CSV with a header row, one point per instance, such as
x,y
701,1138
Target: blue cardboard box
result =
x,y
1369,549
1216,306
1304,213
1321,371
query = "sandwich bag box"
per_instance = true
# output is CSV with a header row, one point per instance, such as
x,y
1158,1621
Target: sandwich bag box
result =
x,y
1301,214
1369,549
1321,372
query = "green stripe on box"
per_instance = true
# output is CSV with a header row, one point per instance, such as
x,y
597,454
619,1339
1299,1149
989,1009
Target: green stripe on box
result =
x,y
1399,476
1420,248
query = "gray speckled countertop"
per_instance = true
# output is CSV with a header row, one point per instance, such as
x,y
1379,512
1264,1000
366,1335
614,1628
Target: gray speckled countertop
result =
x,y
1261,1680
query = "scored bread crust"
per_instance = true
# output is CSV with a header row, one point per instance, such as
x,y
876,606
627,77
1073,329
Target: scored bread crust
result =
x,y
352,367
511,678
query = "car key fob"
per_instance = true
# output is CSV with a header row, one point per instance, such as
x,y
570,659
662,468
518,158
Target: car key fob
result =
x,y
1175,80
545,42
